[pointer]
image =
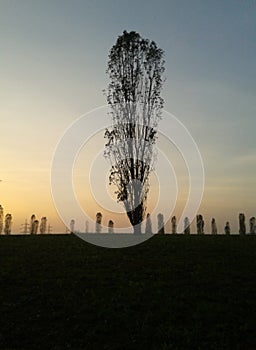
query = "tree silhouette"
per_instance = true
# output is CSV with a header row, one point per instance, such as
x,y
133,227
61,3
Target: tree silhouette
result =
x,y
200,224
72,226
160,222
43,224
186,226
98,223
1,219
242,228
174,225
135,69
227,228
148,228
7,224
36,223
252,225
110,226
33,225
214,227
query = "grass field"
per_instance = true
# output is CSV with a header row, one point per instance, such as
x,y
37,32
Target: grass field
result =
x,y
171,292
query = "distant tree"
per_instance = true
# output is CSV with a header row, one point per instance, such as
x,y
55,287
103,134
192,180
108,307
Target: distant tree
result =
x,y
135,69
214,227
36,224
43,224
98,226
227,228
1,219
8,224
252,225
200,224
242,228
148,228
160,219
174,225
72,226
33,225
186,226
110,226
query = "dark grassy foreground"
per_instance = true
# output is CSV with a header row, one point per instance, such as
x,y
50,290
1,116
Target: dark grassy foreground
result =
x,y
171,292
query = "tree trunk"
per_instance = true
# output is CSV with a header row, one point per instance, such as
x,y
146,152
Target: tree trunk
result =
x,y
137,229
136,217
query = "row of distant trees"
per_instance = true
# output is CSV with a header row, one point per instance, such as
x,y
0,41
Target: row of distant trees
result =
x,y
32,228
187,226
98,225
214,230
34,225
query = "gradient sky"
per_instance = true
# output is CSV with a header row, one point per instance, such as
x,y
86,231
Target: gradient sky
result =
x,y
52,68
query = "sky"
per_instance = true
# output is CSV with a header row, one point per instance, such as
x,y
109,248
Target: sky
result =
x,y
53,70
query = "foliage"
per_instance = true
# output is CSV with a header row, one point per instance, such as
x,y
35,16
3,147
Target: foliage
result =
x,y
135,69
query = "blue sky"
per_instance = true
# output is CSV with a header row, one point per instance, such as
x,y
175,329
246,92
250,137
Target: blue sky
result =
x,y
53,62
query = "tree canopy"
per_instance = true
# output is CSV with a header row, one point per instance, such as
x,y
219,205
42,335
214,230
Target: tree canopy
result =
x,y
135,69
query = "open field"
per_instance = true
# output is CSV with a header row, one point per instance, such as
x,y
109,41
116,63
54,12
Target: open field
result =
x,y
171,292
